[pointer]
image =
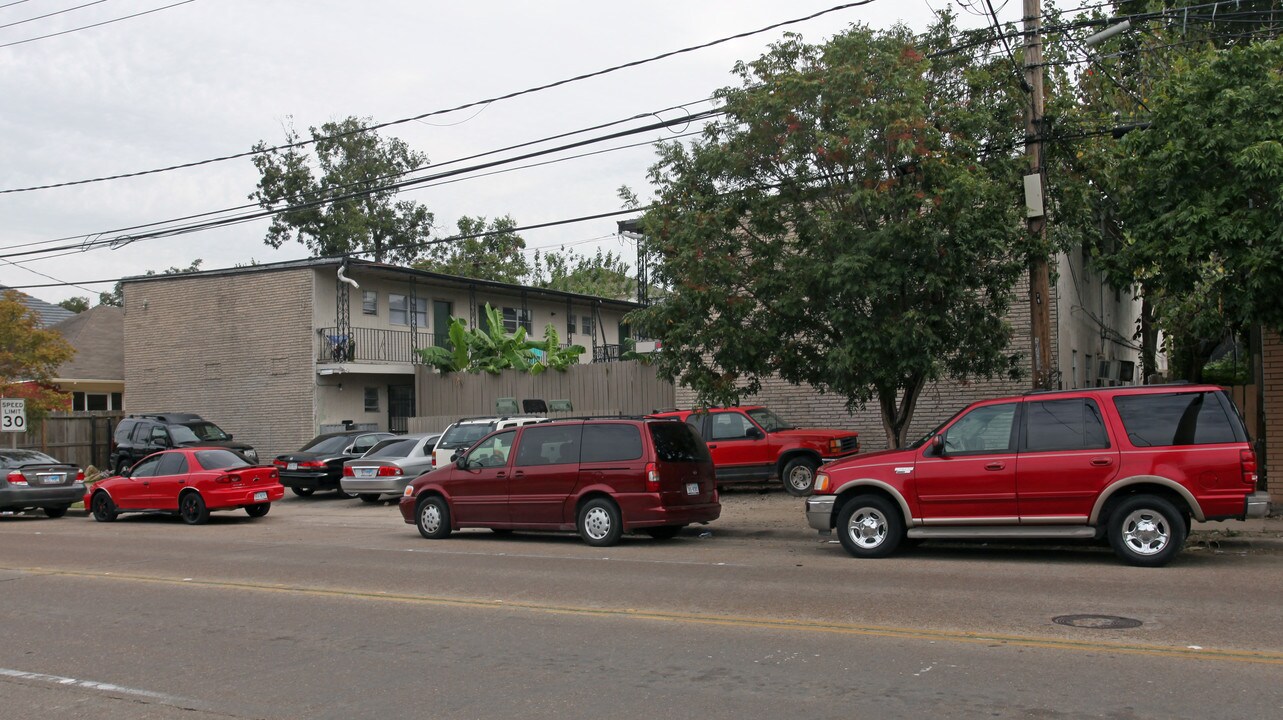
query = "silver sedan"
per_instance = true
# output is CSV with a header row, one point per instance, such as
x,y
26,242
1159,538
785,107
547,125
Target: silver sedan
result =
x,y
389,466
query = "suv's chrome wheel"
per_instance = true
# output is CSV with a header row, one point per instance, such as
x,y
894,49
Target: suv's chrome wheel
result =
x,y
870,526
867,528
1146,532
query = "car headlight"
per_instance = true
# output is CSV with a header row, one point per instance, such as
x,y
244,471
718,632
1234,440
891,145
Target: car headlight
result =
x,y
409,491
822,482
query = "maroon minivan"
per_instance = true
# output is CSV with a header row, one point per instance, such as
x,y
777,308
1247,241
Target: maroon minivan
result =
x,y
600,477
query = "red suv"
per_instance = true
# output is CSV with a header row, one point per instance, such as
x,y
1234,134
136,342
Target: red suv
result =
x,y
753,444
601,477
1133,465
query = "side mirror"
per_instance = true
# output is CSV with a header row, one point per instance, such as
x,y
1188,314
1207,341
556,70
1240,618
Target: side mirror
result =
x,y
937,445
229,436
754,434
124,472
455,456
460,463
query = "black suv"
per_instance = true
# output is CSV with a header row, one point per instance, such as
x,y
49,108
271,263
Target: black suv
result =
x,y
138,436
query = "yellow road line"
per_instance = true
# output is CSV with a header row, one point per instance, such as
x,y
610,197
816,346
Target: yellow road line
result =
x,y
1220,655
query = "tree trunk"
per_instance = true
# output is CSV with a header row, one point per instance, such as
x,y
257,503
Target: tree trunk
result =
x,y
896,416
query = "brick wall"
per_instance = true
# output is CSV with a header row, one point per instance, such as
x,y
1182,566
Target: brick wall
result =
x,y
1272,407
805,406
236,349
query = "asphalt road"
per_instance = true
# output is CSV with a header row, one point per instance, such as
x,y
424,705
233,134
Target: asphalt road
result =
x,y
332,608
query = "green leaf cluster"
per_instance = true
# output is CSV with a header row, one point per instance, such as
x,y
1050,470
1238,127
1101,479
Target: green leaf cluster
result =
x,y
492,349
29,357
853,223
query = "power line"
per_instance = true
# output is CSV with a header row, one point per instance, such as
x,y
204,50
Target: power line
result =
x,y
211,224
99,24
379,126
90,240
48,15
16,2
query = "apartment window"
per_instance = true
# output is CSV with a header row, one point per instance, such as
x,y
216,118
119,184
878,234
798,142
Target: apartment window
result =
x,y
571,325
588,325
371,399
398,311
369,302
94,401
514,318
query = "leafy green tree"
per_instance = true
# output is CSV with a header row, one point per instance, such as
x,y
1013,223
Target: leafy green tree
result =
x,y
117,295
29,357
339,202
603,275
485,251
1203,201
852,223
75,304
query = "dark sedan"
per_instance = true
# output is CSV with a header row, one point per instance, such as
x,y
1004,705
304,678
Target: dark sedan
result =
x,y
318,465
30,480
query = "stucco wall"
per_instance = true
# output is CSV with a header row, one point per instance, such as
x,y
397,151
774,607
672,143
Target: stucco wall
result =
x,y
237,349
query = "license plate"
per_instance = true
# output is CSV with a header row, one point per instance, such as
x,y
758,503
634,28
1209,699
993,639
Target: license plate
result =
x,y
692,488
259,496
366,472
54,479
292,466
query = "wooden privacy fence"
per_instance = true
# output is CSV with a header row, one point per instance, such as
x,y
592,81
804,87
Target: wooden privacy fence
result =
x,y
618,388
79,438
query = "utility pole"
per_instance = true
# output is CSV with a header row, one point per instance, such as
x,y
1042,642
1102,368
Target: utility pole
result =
x,y
1039,278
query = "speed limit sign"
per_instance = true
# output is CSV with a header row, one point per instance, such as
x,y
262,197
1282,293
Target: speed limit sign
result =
x,y
13,415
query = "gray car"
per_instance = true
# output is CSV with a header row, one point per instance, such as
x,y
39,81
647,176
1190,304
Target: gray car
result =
x,y
30,479
389,466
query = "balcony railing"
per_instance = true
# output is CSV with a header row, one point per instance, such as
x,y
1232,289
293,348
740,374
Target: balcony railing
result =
x,y
372,345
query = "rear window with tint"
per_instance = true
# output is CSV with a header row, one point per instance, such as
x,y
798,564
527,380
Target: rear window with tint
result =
x,y
464,435
677,442
219,459
611,443
1177,419
393,448
16,458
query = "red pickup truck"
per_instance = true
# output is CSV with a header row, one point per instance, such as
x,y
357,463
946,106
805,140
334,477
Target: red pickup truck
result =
x,y
753,444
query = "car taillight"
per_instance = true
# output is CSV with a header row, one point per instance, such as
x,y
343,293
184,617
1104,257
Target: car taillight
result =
x,y
1247,461
275,475
822,482
388,471
224,479
652,478
80,476
280,463
348,472
312,465
434,461
16,478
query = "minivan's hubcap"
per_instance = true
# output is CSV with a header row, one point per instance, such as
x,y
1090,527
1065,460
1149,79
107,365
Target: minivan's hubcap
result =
x,y
430,517
1146,532
800,477
867,528
597,523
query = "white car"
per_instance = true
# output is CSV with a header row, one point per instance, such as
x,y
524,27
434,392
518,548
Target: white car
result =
x,y
389,466
461,435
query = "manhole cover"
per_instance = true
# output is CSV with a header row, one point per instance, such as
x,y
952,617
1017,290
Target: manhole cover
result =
x,y
1097,622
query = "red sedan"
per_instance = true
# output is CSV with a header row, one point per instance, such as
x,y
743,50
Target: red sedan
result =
x,y
190,482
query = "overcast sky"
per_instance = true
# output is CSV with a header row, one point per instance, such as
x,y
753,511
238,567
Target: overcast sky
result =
x,y
212,77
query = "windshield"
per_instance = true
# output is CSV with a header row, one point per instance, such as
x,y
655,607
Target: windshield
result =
x,y
464,435
207,431
220,459
769,421
16,458
392,448
182,435
327,445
